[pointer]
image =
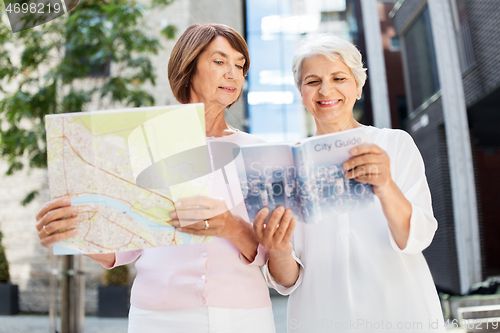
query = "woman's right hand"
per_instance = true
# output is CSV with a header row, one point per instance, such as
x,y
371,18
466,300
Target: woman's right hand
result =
x,y
276,234
276,237
55,221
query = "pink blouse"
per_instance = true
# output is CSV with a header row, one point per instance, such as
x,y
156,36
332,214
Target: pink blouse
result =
x,y
208,274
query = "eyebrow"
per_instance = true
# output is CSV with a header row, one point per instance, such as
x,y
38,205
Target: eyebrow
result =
x,y
225,55
334,73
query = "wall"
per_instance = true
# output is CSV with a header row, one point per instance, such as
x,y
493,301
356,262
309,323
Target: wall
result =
x,y
441,255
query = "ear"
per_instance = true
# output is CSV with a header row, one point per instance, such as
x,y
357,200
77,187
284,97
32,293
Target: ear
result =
x,y
359,92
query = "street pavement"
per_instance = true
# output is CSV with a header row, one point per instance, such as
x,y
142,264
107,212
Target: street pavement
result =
x,y
33,323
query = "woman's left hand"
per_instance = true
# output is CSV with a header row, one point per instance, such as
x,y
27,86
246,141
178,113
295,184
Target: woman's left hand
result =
x,y
370,164
204,216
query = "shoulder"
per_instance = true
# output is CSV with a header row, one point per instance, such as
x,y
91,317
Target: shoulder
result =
x,y
388,137
243,138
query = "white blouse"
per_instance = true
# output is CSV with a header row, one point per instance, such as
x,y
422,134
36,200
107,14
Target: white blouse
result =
x,y
353,276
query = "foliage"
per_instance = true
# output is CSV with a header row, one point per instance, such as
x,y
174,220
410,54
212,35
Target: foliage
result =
x,y
117,276
62,68
4,265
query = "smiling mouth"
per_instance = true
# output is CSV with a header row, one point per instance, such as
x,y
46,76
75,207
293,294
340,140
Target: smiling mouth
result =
x,y
329,102
228,89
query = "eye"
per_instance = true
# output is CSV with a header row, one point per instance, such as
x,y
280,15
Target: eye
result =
x,y
218,62
310,83
239,67
339,79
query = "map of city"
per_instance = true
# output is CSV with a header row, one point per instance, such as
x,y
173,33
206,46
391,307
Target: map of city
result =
x,y
96,158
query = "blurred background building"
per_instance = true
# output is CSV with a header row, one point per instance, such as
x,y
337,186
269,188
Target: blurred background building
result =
x,y
451,68
433,70
442,86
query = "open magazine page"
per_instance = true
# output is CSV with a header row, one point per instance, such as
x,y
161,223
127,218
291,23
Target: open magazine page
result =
x,y
324,190
267,178
306,191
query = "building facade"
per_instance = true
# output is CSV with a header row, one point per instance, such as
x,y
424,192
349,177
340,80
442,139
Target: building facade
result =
x,y
451,65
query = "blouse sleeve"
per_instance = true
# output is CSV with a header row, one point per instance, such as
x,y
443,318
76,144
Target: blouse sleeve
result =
x,y
279,288
259,260
123,258
409,176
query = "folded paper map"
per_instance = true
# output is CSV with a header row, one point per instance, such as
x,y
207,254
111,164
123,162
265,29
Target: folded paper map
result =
x,y
121,168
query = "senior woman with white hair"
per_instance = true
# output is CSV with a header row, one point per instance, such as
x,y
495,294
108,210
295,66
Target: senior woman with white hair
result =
x,y
362,271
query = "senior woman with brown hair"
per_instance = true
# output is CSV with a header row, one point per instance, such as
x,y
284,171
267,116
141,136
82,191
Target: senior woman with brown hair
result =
x,y
362,271
209,287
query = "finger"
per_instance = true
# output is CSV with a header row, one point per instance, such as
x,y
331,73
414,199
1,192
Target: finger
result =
x,y
199,202
190,216
366,148
289,231
57,237
193,225
375,180
186,224
196,232
52,204
258,223
370,169
56,214
55,226
272,223
360,160
199,209
283,226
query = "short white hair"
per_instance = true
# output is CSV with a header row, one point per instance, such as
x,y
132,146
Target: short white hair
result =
x,y
331,47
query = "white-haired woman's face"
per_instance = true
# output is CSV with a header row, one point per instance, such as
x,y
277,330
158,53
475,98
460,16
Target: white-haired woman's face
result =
x,y
328,89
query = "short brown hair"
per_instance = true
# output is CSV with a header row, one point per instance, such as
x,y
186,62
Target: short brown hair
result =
x,y
191,44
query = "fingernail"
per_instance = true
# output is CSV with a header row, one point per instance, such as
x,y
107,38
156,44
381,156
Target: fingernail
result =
x,y
344,166
354,150
175,223
178,203
281,209
173,214
66,201
264,211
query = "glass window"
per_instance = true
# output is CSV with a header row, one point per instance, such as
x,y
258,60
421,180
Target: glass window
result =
x,y
275,29
421,60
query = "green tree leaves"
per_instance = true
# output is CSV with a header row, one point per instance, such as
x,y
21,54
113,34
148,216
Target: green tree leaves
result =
x,y
64,65
4,265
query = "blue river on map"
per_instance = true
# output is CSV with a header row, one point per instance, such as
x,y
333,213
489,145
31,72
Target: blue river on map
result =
x,y
110,202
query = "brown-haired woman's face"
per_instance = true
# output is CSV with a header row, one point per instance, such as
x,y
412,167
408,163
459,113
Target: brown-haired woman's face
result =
x,y
218,78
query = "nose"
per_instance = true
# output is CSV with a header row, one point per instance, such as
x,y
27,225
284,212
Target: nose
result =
x,y
326,88
230,72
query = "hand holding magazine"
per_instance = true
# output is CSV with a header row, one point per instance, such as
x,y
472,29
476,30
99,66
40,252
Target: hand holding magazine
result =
x,y
306,177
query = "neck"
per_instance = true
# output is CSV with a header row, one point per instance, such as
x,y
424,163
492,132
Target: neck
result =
x,y
324,127
215,123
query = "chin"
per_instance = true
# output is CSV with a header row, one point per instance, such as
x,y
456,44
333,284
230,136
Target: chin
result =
x,y
328,115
